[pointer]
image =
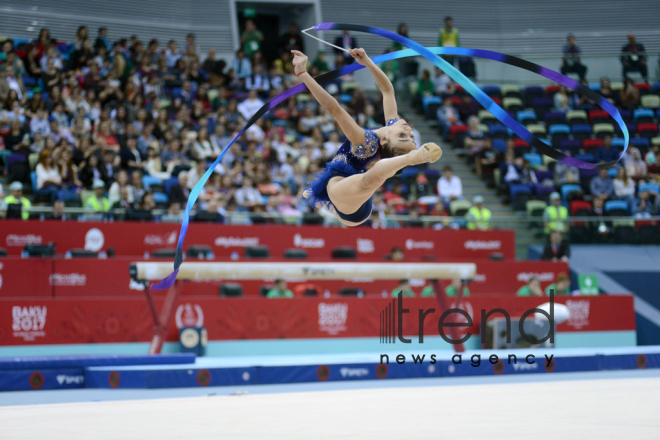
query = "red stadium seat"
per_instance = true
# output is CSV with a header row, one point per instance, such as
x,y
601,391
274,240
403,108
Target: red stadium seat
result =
x,y
598,116
456,100
643,88
592,143
647,129
551,90
458,128
580,208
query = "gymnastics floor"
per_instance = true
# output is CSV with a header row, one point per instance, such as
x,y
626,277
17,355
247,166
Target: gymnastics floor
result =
x,y
602,404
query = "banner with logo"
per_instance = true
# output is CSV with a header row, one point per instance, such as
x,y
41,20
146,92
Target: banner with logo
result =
x,y
128,238
77,321
110,278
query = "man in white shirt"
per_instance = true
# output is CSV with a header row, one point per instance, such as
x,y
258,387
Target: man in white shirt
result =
x,y
251,105
449,186
443,84
247,195
40,124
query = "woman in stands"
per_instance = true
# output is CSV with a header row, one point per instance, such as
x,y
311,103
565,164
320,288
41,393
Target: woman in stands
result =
x,y
369,157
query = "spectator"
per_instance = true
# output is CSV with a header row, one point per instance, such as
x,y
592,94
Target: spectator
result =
x,y
402,30
429,289
137,188
123,202
447,116
449,186
396,254
148,202
9,81
468,107
561,286
242,65
16,198
624,187
478,216
566,173
251,38
422,190
477,143
404,289
280,290
571,60
651,157
131,158
629,95
247,196
377,220
174,214
644,206
556,248
633,58
258,81
654,170
532,288
102,40
251,105
58,212
449,38
49,180
179,193
320,62
635,166
117,185
395,198
39,123
511,171
292,40
606,90
561,100
98,202
606,153
443,84
452,289
425,85
555,215
601,186
347,41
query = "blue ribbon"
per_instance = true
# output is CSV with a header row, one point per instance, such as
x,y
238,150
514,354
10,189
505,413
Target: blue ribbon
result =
x,y
430,54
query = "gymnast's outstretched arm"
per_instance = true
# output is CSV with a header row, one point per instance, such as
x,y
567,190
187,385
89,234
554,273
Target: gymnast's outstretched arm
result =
x,y
353,132
382,81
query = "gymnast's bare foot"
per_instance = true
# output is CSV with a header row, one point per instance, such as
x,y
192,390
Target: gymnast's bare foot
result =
x,y
427,153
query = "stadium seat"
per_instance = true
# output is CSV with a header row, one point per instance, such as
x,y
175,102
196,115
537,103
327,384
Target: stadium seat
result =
x,y
650,187
492,91
521,146
207,217
147,181
484,128
428,100
164,253
642,115
512,105
457,128
257,252
526,117
344,252
498,131
591,143
537,130
599,116
231,289
551,90
655,140
559,133
603,129
650,101
458,208
486,117
499,145
626,115
576,117
644,88
618,143
169,183
585,157
623,231
295,254
510,91
568,189
535,209
616,208
647,130
531,93
552,118
642,143
581,131
612,172
520,194
616,86
534,159
542,106
647,232
579,208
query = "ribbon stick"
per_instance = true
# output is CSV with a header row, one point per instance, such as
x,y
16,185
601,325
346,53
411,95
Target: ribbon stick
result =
x,y
430,54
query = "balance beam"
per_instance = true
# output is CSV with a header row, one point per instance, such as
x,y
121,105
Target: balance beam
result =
x,y
151,271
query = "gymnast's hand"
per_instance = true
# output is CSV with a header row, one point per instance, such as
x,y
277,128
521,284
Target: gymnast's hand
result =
x,y
360,56
299,62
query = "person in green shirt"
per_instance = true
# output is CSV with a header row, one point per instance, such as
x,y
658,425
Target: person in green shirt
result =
x,y
429,290
452,289
16,198
532,288
561,286
251,38
98,202
404,288
280,290
425,85
403,31
449,38
320,62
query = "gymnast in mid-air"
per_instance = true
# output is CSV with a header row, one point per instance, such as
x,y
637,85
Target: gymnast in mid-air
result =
x,y
369,157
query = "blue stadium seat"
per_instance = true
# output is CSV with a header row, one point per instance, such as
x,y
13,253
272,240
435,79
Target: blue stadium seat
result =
x,y
524,116
492,91
499,145
169,183
559,128
345,98
534,159
147,181
430,99
520,194
616,205
582,128
650,187
497,130
569,188
570,144
643,115
612,172
586,157
552,118
618,143
642,143
161,198
33,179
409,173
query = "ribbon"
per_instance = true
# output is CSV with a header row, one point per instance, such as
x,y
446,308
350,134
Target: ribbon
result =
x,y
430,54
